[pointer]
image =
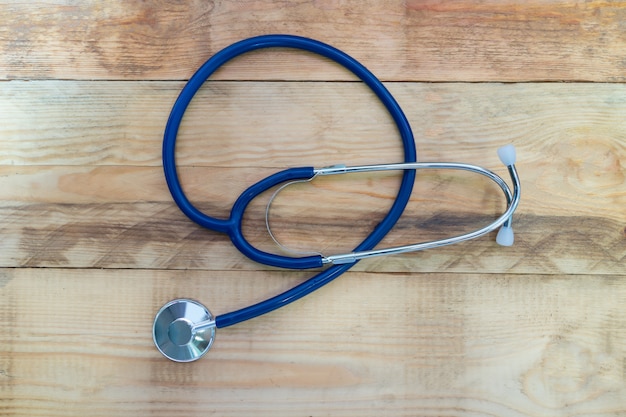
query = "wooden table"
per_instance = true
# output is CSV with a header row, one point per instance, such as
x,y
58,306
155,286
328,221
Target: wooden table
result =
x,y
92,244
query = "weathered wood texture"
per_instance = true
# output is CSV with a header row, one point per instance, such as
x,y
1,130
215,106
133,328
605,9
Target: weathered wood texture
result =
x,y
368,344
399,40
571,140
92,245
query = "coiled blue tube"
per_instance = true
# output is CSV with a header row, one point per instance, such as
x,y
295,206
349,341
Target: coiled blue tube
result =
x,y
232,226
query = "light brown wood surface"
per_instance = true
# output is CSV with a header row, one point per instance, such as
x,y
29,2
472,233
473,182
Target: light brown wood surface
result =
x,y
92,245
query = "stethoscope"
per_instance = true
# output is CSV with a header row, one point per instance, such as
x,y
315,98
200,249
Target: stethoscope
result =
x,y
184,329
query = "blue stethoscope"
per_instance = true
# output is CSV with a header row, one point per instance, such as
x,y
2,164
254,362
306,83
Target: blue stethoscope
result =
x,y
184,329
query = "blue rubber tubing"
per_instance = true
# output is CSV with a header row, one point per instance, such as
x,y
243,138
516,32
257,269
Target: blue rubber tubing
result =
x,y
228,225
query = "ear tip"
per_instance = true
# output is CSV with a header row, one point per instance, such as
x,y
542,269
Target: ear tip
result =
x,y
505,236
507,154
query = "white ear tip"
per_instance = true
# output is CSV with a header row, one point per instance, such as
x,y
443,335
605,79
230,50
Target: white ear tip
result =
x,y
505,236
507,154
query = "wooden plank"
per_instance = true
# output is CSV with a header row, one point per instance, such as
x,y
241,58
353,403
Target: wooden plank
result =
x,y
89,123
478,345
96,194
123,217
411,40
298,124
92,245
122,124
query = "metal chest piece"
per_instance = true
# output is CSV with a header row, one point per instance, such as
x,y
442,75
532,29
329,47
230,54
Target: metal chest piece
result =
x,y
183,330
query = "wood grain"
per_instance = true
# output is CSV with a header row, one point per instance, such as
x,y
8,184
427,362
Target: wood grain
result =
x,y
143,229
122,123
413,40
91,244
537,346
570,140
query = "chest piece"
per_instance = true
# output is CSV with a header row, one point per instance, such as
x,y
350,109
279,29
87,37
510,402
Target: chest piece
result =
x,y
183,330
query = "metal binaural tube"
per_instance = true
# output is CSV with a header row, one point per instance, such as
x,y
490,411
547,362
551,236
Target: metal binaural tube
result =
x,y
505,219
